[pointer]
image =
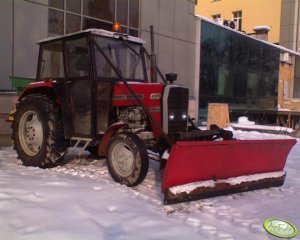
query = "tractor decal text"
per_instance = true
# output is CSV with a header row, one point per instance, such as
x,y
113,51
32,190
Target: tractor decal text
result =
x,y
127,96
154,109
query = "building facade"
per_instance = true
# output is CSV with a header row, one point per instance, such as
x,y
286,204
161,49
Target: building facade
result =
x,y
25,22
251,75
281,16
246,14
290,24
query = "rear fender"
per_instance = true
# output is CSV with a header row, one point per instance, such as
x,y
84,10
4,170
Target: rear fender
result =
x,y
109,133
45,88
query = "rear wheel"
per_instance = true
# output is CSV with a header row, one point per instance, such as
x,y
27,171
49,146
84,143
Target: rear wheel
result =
x,y
127,159
38,132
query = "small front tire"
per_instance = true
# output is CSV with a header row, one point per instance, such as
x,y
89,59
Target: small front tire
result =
x,y
127,159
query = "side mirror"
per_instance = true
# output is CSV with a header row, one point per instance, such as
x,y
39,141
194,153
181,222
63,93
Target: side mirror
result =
x,y
171,77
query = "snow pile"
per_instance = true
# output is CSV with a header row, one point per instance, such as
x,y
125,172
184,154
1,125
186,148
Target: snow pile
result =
x,y
244,123
244,120
253,177
188,188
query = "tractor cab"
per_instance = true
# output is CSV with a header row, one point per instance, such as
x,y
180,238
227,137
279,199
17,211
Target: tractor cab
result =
x,y
81,66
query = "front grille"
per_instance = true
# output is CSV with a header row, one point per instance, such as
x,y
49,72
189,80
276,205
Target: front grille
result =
x,y
177,105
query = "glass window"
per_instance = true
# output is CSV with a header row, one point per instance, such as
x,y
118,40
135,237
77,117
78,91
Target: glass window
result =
x,y
78,58
255,58
52,66
237,17
271,59
223,78
122,11
93,14
216,16
134,13
126,59
103,9
55,22
235,68
252,83
133,32
91,23
72,23
56,3
73,6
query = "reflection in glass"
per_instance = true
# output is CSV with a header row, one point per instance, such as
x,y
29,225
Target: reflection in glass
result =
x,y
134,13
126,59
103,9
56,3
122,11
52,61
73,6
72,23
93,14
78,66
91,23
78,58
133,32
55,22
235,68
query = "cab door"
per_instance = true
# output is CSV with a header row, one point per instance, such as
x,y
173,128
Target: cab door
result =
x,y
79,87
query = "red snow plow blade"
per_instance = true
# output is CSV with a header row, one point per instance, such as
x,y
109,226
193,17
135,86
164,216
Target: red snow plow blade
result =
x,y
205,169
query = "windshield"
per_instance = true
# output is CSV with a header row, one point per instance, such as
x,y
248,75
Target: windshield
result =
x,y
124,55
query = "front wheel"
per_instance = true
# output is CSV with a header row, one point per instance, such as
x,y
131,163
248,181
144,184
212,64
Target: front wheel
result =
x,y
127,159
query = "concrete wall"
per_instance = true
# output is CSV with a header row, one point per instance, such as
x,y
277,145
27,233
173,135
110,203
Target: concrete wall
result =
x,y
22,24
289,35
6,46
174,28
30,26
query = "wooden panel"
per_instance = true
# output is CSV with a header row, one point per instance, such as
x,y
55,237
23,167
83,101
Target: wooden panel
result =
x,y
218,114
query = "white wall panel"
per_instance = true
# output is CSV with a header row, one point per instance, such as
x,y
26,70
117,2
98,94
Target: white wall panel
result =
x,y
30,26
6,46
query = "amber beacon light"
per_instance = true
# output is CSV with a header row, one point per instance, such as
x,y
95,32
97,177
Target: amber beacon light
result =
x,y
116,27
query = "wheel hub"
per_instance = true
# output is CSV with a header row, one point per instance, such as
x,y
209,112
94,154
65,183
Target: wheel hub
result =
x,y
30,133
124,159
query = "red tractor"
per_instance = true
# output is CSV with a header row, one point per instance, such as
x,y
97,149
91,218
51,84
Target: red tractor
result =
x,y
92,91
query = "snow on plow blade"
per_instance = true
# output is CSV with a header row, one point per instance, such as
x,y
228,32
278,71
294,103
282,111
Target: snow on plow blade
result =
x,y
205,169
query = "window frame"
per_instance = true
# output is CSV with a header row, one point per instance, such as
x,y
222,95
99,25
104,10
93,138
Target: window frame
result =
x,y
238,19
126,28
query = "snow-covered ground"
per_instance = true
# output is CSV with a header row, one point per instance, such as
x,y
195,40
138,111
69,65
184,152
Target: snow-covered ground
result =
x,y
79,200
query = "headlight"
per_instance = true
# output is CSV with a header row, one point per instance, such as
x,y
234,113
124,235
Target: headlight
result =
x,y
184,116
171,116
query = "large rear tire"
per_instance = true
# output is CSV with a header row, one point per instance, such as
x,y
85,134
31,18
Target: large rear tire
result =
x,y
38,132
127,159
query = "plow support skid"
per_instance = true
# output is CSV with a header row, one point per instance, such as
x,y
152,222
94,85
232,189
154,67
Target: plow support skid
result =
x,y
223,167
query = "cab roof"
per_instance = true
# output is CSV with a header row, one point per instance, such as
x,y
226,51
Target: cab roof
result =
x,y
95,31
